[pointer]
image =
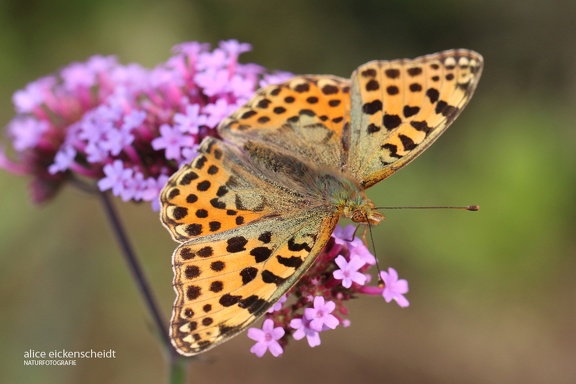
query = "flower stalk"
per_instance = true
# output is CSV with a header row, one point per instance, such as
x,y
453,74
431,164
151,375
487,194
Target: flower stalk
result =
x,y
176,363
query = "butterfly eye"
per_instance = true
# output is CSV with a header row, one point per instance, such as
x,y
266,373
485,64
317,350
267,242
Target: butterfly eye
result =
x,y
359,217
372,217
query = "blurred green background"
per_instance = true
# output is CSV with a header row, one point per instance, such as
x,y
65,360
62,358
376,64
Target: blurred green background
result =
x,y
492,293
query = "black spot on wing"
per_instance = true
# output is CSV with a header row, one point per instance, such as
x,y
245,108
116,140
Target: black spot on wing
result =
x,y
372,107
270,278
407,142
179,213
372,85
410,111
433,95
192,271
392,149
392,73
296,247
228,300
200,161
421,126
292,262
248,274
391,121
265,237
261,253
193,292
236,244
188,178
252,303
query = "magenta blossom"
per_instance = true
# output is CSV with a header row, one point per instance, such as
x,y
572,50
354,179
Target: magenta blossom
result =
x,y
266,339
303,329
394,288
320,315
278,305
348,271
344,235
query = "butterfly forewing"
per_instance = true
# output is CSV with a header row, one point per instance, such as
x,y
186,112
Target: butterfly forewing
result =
x,y
218,191
400,107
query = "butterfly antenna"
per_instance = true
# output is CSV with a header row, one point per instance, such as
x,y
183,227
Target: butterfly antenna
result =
x,y
472,208
380,281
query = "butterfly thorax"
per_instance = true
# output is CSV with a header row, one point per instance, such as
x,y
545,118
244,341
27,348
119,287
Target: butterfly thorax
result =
x,y
346,198
339,192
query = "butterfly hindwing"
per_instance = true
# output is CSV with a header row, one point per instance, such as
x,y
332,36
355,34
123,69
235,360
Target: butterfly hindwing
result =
x,y
226,280
400,107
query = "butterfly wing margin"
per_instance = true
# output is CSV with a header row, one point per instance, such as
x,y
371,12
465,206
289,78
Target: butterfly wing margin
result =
x,y
400,107
225,281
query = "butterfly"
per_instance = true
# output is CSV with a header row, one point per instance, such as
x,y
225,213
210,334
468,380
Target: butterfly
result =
x,y
252,211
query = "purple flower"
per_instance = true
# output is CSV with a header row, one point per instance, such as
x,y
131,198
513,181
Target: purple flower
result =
x,y
321,315
302,327
234,47
214,59
217,111
358,249
266,339
214,81
242,87
394,288
172,140
188,154
133,120
31,97
27,132
191,121
117,178
278,305
348,271
275,78
150,189
344,235
78,75
63,159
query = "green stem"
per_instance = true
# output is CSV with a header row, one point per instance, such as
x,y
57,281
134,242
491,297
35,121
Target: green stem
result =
x,y
177,366
178,370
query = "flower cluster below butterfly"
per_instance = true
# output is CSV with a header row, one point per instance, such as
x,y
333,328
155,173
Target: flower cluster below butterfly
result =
x,y
255,212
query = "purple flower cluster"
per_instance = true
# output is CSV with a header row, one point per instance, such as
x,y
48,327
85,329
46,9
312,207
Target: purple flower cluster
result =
x,y
125,126
317,301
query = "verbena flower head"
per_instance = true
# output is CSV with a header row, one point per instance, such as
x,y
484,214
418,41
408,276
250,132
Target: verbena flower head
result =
x,y
317,303
125,126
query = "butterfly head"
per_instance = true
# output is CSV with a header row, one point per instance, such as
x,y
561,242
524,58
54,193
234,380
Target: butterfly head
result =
x,y
360,209
366,214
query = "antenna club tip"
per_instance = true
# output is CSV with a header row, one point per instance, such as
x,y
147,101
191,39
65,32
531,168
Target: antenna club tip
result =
x,y
473,208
